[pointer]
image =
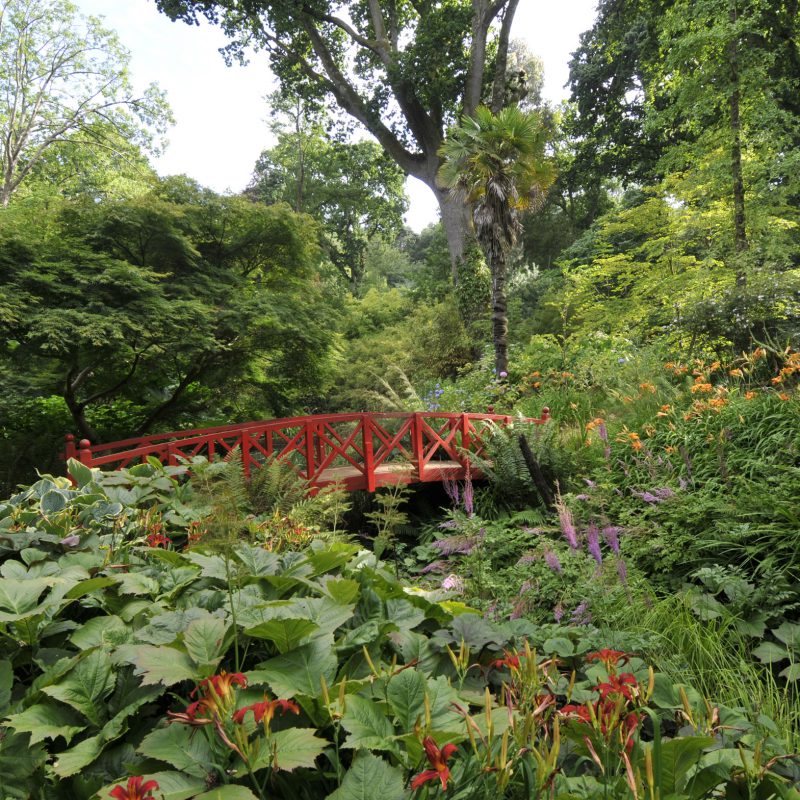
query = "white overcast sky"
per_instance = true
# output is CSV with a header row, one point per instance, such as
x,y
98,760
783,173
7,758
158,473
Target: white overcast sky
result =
x,y
220,111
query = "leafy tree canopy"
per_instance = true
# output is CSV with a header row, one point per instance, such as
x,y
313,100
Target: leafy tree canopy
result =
x,y
64,83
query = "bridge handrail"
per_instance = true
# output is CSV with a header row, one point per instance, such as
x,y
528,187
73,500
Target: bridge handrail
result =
x,y
316,440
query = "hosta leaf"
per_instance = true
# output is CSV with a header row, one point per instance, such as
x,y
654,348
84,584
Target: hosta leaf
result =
x,y
46,721
368,778
299,671
406,695
181,747
158,664
86,686
367,724
204,640
80,472
52,502
286,633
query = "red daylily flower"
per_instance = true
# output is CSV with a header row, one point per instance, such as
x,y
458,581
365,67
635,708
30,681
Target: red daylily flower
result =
x,y
581,712
511,660
158,540
265,711
136,790
609,658
216,696
438,760
618,684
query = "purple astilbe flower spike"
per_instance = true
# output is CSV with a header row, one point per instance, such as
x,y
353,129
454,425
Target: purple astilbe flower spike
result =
x,y
525,560
602,432
448,524
526,587
567,524
469,497
558,612
581,615
434,566
593,543
622,571
611,535
590,483
581,496
683,483
664,492
551,559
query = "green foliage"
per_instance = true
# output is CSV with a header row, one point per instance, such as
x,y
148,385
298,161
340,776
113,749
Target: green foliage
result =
x,y
313,671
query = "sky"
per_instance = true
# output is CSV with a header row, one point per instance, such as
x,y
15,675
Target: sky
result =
x,y
220,112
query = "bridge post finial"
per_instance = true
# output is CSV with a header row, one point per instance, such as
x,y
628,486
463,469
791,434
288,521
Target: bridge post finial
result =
x,y
85,452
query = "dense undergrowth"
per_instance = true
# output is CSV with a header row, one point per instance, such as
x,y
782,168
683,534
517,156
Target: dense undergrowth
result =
x,y
224,640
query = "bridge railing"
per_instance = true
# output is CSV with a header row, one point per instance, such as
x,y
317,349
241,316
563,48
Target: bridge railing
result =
x,y
362,450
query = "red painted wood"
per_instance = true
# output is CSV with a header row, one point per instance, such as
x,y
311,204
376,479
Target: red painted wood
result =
x,y
363,451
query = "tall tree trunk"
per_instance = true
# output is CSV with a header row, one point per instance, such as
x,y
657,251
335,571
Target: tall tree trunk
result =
x,y
499,309
739,221
457,224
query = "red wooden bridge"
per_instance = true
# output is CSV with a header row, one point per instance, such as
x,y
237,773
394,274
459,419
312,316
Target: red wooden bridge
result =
x,y
362,451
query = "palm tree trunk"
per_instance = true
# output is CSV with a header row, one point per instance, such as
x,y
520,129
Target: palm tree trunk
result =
x,y
497,262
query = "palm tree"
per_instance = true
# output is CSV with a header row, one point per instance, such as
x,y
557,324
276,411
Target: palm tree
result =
x,y
496,163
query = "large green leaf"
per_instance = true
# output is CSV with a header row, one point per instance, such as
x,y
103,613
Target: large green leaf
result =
x,y
87,686
158,664
229,792
136,583
286,633
6,682
210,566
770,651
678,759
102,631
300,671
19,597
204,640
406,695
370,778
46,721
366,722
181,747
789,634
297,747
74,760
